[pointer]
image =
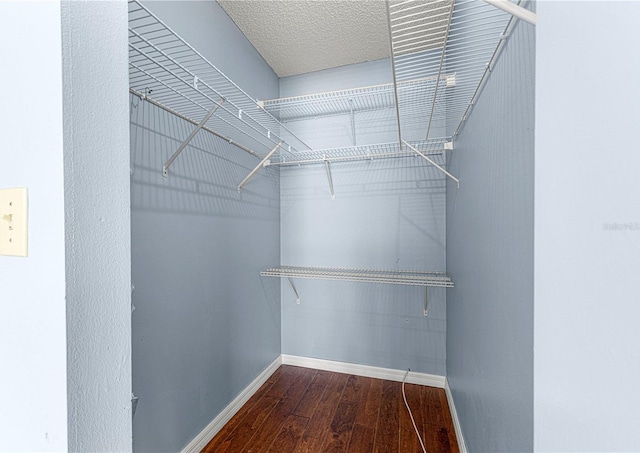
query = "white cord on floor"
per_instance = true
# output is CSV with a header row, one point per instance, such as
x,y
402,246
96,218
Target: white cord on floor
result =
x,y
404,396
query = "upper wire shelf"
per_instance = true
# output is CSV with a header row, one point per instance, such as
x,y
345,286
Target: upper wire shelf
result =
x,y
353,100
166,70
429,39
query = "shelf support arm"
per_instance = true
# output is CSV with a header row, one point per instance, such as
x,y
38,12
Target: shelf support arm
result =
x,y
426,300
263,163
293,288
353,122
165,167
432,162
328,168
515,10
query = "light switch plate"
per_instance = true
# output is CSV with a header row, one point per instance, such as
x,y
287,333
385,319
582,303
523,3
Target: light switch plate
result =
x,y
14,222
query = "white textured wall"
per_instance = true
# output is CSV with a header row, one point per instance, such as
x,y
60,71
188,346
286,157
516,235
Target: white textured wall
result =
x,y
33,412
587,227
98,250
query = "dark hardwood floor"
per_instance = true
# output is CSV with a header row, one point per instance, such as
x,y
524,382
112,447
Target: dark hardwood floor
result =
x,y
306,410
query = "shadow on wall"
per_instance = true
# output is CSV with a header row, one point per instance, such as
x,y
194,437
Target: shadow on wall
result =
x,y
203,180
387,214
406,176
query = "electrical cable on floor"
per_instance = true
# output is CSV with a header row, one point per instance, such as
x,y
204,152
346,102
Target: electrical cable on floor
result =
x,y
404,396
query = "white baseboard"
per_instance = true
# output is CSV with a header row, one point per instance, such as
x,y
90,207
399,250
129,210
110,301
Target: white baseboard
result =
x,y
209,432
456,422
431,380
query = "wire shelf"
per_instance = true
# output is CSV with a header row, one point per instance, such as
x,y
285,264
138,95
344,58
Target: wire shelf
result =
x,y
433,147
428,40
167,70
356,100
420,29
415,278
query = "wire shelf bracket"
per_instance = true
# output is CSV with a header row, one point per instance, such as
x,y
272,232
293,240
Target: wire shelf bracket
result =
x,y
293,288
432,162
263,163
165,167
426,302
328,169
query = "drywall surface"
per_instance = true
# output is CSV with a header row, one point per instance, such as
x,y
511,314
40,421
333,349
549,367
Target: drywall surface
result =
x,y
587,227
490,258
387,214
96,194
205,324
33,394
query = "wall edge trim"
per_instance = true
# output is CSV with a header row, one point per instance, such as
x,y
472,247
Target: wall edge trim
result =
x,y
454,416
431,380
204,437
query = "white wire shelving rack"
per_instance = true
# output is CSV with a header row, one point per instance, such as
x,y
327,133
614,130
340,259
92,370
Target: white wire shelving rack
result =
x,y
394,277
442,52
168,72
340,102
459,38
434,148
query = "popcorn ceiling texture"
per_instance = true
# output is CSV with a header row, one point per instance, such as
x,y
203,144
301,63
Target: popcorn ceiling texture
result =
x,y
296,37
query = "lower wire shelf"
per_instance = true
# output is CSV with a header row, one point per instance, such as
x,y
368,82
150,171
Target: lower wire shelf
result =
x,y
397,277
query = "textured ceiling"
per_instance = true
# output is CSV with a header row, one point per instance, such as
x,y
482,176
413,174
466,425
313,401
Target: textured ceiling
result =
x,y
300,36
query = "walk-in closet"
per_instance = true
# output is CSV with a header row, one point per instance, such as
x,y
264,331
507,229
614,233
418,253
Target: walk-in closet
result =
x,y
319,225
300,216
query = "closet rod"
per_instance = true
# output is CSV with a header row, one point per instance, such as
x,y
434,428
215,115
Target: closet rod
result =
x,y
195,123
515,10
165,167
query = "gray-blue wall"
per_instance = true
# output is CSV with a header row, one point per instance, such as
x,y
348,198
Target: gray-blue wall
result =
x,y
388,214
490,258
205,324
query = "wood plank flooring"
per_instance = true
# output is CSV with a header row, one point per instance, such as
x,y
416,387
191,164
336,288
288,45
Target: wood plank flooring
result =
x,y
301,410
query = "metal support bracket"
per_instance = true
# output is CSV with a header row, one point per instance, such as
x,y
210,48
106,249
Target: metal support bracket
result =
x,y
263,163
433,163
353,122
134,404
426,300
293,288
165,167
328,168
